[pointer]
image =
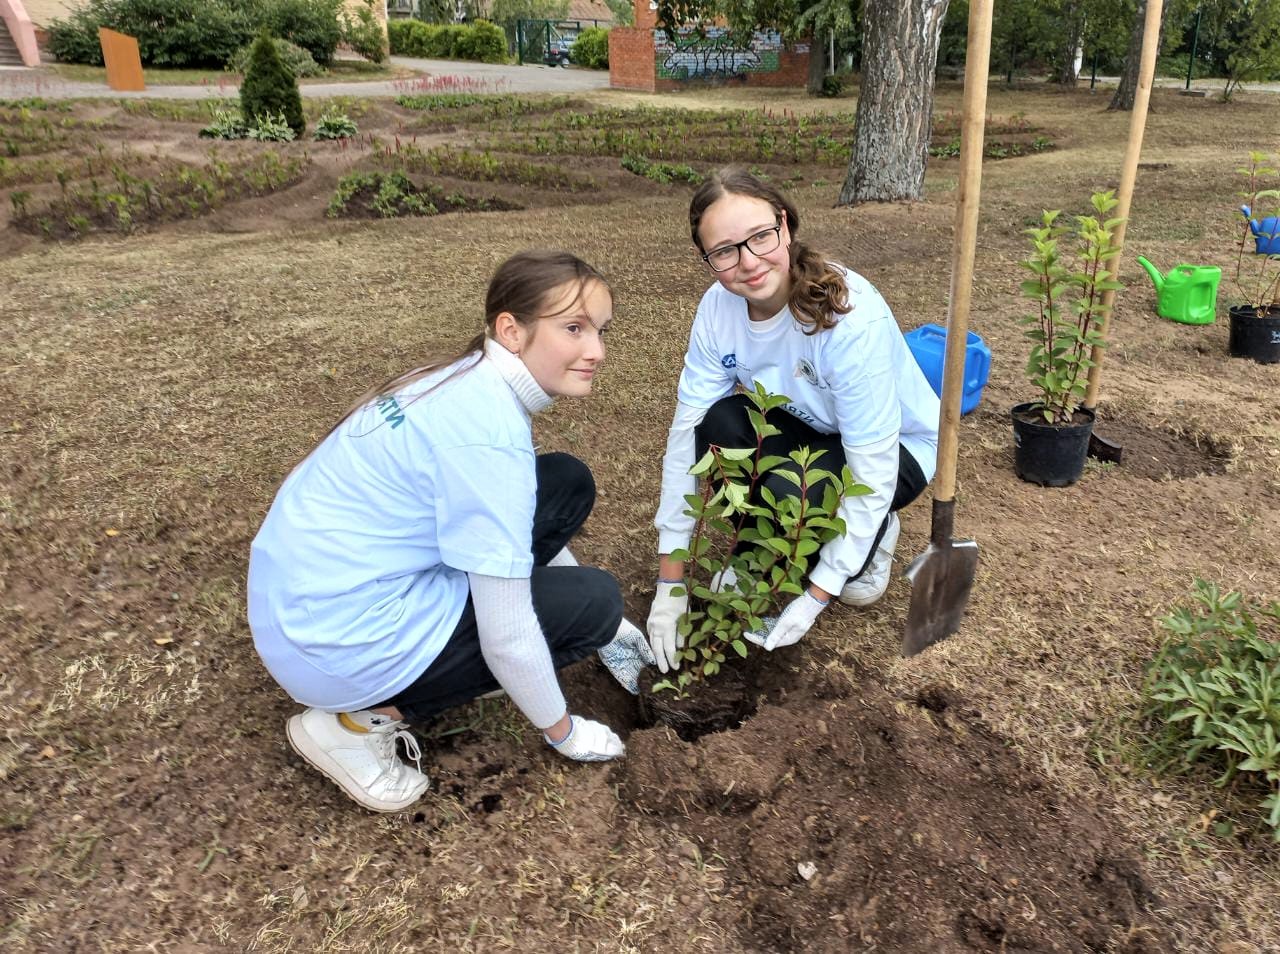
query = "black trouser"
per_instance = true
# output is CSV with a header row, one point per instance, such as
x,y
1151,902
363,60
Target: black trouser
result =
x,y
579,607
727,425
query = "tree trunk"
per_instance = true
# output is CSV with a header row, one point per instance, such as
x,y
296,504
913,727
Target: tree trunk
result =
x,y
1128,88
895,101
817,65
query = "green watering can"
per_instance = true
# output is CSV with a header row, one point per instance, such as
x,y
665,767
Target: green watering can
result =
x,y
1189,293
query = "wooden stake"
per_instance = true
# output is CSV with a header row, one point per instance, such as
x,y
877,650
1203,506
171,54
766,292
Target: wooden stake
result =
x,y
1137,125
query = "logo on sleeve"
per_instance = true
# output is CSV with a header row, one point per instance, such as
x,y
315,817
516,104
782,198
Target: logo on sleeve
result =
x,y
806,370
729,361
390,410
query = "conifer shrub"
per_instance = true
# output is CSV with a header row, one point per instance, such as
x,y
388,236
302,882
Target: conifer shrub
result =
x,y
269,87
299,61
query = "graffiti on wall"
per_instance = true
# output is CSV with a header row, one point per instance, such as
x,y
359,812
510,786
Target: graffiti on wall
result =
x,y
717,56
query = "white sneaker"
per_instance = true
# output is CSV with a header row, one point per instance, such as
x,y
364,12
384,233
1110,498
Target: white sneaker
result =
x,y
871,585
363,764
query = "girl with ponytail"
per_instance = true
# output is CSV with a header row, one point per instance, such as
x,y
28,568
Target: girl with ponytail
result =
x,y
783,315
417,558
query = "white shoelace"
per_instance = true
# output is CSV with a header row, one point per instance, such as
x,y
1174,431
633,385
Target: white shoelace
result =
x,y
391,764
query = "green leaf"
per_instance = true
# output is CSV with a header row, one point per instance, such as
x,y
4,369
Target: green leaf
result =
x,y
739,647
703,465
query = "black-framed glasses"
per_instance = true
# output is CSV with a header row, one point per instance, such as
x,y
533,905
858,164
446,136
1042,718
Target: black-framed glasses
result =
x,y
761,243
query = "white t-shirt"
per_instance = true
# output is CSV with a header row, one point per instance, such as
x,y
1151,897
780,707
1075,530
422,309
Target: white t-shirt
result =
x,y
358,576
857,379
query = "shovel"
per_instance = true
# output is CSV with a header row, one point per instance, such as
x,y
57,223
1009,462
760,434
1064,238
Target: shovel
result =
x,y
942,576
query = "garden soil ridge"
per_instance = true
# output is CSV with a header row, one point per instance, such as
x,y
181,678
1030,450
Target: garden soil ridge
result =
x,y
988,795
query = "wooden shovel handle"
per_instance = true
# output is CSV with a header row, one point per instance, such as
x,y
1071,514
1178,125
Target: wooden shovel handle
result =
x,y
965,243
1128,174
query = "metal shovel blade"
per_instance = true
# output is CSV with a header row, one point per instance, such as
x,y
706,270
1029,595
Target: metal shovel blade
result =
x,y
1105,450
941,579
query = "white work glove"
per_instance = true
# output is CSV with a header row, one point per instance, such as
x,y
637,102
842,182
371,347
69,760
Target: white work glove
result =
x,y
663,616
588,741
626,655
790,627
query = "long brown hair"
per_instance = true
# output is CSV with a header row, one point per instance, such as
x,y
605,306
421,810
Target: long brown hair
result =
x,y
818,291
522,286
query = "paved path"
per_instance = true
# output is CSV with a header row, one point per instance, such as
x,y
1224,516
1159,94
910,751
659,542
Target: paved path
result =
x,y
21,82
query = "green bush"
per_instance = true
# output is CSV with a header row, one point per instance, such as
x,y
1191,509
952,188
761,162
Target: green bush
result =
x,y
482,42
189,33
1213,692
268,128
363,32
196,33
269,89
226,124
591,49
398,33
311,24
75,39
335,124
298,60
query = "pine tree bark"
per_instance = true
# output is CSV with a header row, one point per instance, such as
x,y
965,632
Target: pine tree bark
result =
x,y
1128,88
895,101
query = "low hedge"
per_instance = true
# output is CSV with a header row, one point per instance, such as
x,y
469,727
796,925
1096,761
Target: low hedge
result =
x,y
480,41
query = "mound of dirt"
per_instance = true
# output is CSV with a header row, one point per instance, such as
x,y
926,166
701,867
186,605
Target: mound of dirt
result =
x,y
851,820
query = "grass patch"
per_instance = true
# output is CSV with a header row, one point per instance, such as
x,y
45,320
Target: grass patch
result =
x,y
339,71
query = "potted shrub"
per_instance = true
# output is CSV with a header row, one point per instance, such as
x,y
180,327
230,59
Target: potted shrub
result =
x,y
748,555
1255,319
1070,269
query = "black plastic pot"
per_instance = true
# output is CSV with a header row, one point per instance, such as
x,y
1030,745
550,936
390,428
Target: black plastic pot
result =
x,y
1254,335
1048,454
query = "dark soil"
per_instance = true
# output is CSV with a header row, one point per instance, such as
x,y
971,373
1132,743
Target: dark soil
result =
x,y
1159,454
851,820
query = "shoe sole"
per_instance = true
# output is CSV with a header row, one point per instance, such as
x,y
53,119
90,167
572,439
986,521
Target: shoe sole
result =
x,y
300,741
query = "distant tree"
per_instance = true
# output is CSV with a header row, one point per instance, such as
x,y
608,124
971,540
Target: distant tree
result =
x,y
508,11
895,102
1128,86
623,11
269,87
1253,32
822,21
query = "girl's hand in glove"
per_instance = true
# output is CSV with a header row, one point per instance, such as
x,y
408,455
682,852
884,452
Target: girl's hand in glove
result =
x,y
663,616
790,627
588,741
626,655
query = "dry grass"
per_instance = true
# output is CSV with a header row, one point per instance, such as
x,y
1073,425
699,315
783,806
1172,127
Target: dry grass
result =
x,y
156,390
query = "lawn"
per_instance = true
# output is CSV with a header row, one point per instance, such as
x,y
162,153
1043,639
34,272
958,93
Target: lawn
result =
x,y
339,71
163,374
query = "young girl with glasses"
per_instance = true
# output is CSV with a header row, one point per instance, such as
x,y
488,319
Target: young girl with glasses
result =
x,y
781,314
417,558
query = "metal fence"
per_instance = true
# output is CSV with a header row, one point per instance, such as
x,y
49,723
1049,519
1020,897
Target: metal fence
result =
x,y
545,41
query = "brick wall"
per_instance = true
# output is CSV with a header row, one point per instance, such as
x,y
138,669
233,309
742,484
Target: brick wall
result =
x,y
644,58
631,59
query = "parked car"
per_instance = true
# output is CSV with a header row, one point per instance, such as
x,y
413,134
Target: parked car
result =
x,y
557,53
